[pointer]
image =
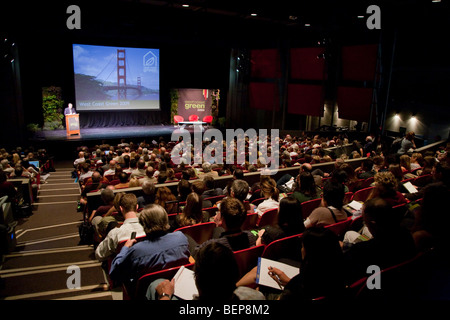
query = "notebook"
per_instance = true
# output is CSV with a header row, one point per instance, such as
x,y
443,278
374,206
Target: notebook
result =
x,y
410,187
185,287
263,277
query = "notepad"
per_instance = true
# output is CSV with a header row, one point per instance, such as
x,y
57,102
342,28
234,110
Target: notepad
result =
x,y
185,287
355,205
263,277
410,187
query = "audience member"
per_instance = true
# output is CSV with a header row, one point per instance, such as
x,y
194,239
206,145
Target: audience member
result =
x,y
321,271
230,217
407,144
148,196
160,250
270,192
128,207
163,196
305,188
289,222
212,260
192,212
389,245
386,188
330,210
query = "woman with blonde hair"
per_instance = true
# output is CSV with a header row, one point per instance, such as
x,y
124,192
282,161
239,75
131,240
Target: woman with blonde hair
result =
x,y
386,188
405,163
270,193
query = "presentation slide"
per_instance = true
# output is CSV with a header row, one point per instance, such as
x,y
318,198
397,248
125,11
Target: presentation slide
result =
x,y
115,78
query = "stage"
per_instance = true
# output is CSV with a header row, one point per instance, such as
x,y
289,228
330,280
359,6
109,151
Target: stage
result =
x,y
103,133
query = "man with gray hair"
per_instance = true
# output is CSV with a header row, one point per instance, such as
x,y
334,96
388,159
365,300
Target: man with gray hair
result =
x,y
6,167
207,172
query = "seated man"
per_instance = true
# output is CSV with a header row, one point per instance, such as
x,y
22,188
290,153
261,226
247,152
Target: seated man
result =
x,y
149,194
389,245
124,182
211,190
128,207
330,210
107,196
160,250
139,172
230,217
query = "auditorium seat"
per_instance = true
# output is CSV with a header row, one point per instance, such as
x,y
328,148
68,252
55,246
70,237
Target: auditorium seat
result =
x,y
200,232
361,195
309,206
285,248
268,218
215,199
341,227
247,259
145,280
250,221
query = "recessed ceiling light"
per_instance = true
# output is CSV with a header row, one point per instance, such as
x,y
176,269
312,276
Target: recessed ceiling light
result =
x,y
435,0
253,14
360,17
307,25
185,5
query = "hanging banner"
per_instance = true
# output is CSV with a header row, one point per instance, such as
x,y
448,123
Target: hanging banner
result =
x,y
194,102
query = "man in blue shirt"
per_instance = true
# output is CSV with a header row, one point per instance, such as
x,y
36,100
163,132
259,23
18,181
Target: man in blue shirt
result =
x,y
160,250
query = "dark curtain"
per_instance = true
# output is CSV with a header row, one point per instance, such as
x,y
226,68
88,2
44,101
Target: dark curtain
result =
x,y
359,62
354,103
264,96
305,64
305,99
120,118
265,63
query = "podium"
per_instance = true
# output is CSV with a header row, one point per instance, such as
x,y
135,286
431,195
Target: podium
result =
x,y
72,124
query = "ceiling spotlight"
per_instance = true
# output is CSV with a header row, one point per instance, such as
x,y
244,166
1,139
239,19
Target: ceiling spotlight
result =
x,y
435,1
307,25
253,14
185,5
360,17
397,116
413,118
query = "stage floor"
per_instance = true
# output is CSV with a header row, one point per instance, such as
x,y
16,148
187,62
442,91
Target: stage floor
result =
x,y
126,132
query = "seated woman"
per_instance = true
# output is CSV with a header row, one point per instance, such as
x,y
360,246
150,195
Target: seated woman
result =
x,y
386,188
164,195
306,188
416,161
330,210
192,212
289,222
317,278
270,192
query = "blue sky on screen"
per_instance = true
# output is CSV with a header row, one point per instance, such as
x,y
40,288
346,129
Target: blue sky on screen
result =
x,y
101,62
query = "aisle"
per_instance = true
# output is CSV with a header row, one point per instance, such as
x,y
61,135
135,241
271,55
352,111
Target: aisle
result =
x,y
47,244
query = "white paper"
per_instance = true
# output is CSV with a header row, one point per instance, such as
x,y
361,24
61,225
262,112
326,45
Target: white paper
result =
x,y
265,279
185,287
355,205
409,186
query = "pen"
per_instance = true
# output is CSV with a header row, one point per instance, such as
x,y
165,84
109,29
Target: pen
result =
x,y
278,280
